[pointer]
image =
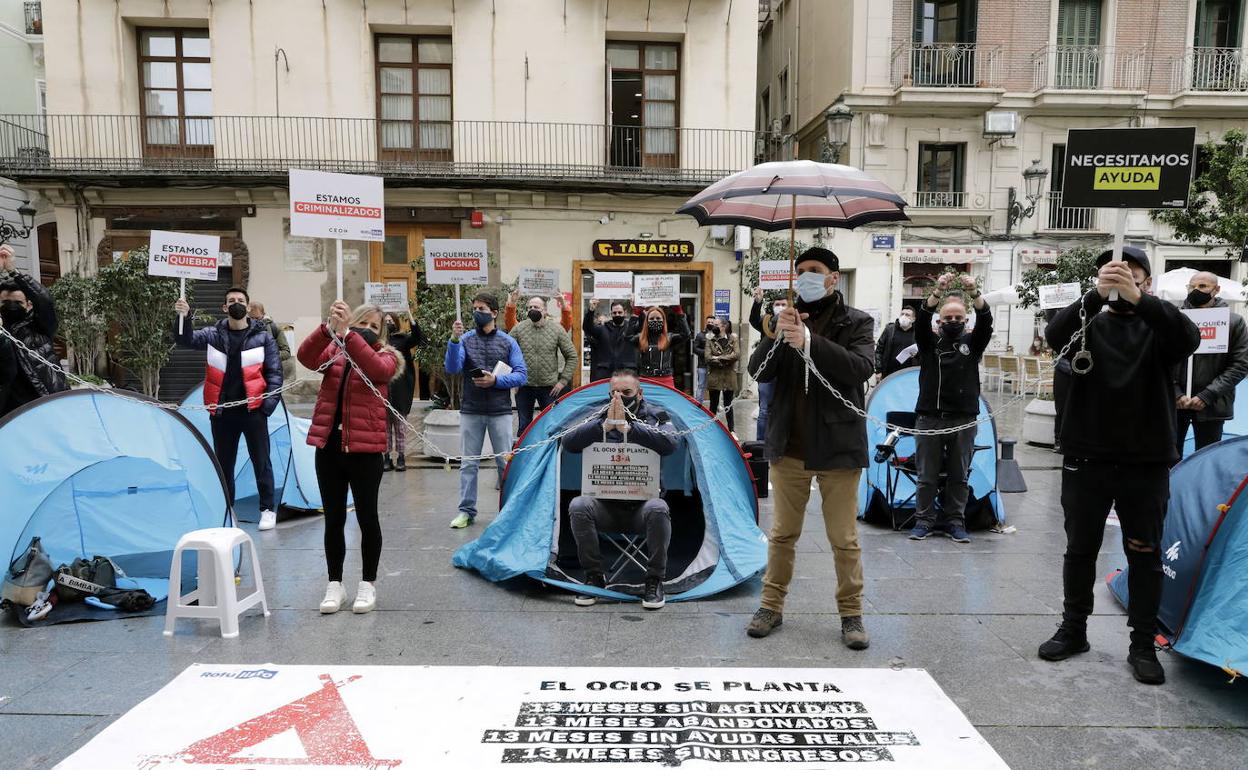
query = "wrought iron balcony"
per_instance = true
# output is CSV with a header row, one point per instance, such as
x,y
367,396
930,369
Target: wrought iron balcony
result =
x,y
467,151
947,65
937,199
1089,67
1210,69
34,17
1068,217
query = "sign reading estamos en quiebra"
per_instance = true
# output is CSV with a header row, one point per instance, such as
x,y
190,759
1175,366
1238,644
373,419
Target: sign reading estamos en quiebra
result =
x,y
1138,168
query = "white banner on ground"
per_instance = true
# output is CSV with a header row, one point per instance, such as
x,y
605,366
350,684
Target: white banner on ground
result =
x,y
1215,328
613,285
539,281
456,261
390,296
1059,295
453,717
343,206
619,472
773,274
184,255
650,290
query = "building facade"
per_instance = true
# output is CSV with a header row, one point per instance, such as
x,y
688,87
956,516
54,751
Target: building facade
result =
x,y
22,91
921,79
541,127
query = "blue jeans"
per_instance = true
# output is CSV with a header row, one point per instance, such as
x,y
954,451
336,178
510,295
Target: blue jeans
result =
x,y
700,385
764,401
472,428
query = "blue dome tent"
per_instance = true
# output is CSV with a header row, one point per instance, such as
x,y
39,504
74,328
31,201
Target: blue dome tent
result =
x,y
716,542
877,498
1204,599
294,461
92,474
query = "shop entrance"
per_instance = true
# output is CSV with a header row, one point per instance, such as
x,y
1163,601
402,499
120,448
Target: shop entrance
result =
x,y
696,282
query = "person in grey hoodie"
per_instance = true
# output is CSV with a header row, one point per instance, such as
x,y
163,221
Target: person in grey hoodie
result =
x,y
1214,375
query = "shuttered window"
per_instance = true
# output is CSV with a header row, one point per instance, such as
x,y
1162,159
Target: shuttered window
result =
x,y
1079,22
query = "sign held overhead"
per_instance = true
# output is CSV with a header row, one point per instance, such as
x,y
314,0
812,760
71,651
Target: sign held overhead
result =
x,y
651,290
613,285
456,261
1137,168
539,281
343,206
184,255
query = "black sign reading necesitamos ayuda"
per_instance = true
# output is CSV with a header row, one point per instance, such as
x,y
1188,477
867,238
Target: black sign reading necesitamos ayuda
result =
x,y
1137,168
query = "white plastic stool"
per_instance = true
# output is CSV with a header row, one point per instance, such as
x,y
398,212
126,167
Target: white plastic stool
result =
x,y
216,594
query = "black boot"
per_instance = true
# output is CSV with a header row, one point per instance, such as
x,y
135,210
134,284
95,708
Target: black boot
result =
x,y
1065,642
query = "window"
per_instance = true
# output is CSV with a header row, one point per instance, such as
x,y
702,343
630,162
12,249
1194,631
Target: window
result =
x,y
645,103
941,176
414,97
1064,217
784,95
175,78
944,22
1217,24
1078,58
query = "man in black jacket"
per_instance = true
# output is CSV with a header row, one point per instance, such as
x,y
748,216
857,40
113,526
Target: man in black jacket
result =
x,y
711,327
1117,434
627,418
609,343
948,398
811,434
29,314
1214,375
896,339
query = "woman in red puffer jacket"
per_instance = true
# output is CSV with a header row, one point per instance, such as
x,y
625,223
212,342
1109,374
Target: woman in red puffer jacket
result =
x,y
349,433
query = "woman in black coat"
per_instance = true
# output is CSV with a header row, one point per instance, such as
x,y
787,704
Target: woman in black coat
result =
x,y
400,392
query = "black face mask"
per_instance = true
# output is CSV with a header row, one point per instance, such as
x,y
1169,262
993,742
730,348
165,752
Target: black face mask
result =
x,y
618,320
1121,305
535,315
631,404
237,311
392,328
710,329
369,336
13,311
952,329
655,327
1198,298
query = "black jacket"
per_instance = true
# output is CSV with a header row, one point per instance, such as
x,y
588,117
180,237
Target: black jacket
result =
x,y
699,349
831,435
401,389
655,362
36,332
1123,410
1215,375
949,373
893,340
652,429
8,371
609,345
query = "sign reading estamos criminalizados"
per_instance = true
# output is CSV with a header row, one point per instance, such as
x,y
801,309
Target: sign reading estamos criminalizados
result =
x,y
662,251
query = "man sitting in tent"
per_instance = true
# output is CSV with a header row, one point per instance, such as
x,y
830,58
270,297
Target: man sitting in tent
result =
x,y
626,419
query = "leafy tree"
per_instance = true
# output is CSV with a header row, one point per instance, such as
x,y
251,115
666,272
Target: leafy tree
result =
x,y
1077,265
1217,211
138,309
80,317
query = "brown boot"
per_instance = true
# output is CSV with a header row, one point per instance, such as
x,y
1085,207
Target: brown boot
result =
x,y
764,622
853,633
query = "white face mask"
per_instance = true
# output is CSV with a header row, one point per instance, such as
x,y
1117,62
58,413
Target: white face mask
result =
x,y
810,287
905,321
778,309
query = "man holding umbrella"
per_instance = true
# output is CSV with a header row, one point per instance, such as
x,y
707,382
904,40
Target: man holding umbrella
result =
x,y
811,434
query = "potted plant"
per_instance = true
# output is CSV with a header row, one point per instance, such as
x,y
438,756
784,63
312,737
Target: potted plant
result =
x,y
1077,265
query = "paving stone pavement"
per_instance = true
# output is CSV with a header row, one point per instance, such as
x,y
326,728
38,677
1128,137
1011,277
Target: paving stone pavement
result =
x,y
972,615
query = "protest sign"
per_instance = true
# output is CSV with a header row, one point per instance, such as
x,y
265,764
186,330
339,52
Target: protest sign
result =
x,y
650,290
613,285
1139,168
1215,328
343,206
390,297
773,274
539,281
619,472
456,261
184,255
1059,295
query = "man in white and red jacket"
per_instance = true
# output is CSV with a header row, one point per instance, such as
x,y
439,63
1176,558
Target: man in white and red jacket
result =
x,y
243,363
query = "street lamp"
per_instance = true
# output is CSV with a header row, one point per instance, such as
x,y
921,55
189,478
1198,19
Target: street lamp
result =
x,y
1033,181
836,121
10,231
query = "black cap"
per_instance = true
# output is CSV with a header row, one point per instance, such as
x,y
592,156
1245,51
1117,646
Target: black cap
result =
x,y
1129,254
820,254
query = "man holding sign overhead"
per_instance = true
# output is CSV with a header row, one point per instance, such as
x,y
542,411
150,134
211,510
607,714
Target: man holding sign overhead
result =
x,y
1205,383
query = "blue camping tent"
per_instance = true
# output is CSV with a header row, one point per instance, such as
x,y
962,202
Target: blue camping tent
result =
x,y
716,542
294,461
1236,426
1204,599
93,474
898,393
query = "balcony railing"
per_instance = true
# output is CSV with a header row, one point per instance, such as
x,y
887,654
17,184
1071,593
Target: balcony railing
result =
x,y
1088,67
1068,217
1210,69
34,17
947,65
936,199
37,145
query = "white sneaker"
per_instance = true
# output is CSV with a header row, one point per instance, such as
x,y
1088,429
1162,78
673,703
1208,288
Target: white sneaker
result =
x,y
365,598
268,520
335,595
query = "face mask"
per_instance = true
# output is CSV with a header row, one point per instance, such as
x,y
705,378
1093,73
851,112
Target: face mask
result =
x,y
1197,298
905,322
482,318
810,287
710,329
12,311
655,327
631,403
392,328
369,336
535,315
618,320
952,329
237,311
777,309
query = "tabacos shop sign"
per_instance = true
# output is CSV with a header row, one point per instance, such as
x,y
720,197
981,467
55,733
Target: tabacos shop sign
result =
x,y
644,250
1138,168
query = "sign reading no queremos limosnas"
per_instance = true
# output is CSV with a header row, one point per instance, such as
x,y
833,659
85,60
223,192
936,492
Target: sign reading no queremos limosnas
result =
x,y
349,207
1059,295
652,290
1215,328
456,261
489,718
619,472
1138,168
184,255
773,274
539,280
613,285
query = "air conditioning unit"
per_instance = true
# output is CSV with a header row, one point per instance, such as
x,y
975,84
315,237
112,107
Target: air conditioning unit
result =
x,y
1001,123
